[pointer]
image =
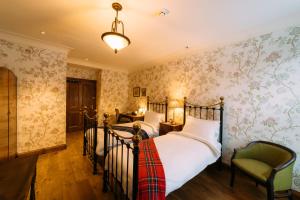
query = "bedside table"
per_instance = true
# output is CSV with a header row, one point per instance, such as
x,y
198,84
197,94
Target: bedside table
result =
x,y
165,127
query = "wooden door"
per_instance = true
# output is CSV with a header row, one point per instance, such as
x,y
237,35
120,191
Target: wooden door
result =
x,y
74,119
3,113
80,93
12,115
89,96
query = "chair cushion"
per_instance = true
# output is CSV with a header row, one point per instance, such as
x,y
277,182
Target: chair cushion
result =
x,y
255,168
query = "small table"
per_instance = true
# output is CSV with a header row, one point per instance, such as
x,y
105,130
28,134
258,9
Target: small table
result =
x,y
131,117
17,176
165,127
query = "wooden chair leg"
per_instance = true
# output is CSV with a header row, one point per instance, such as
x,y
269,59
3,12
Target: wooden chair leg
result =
x,y
232,175
270,192
290,195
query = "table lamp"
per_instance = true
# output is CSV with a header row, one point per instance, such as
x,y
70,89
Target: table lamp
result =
x,y
174,103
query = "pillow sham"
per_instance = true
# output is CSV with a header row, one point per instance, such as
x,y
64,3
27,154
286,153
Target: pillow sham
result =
x,y
154,118
205,129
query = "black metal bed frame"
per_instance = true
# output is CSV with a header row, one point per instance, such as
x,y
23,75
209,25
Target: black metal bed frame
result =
x,y
90,128
160,107
209,113
110,176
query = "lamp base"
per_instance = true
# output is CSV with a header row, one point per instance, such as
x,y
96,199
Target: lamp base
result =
x,y
116,6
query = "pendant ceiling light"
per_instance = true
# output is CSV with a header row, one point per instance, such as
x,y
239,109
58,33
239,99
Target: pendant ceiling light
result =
x,y
114,39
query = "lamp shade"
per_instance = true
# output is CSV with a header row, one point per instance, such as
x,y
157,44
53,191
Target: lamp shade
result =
x,y
115,40
174,103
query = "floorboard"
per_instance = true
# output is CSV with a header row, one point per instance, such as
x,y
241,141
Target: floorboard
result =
x,y
67,175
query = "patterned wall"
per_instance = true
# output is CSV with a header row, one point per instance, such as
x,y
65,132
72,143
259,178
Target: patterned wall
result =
x,y
81,72
259,79
114,92
41,94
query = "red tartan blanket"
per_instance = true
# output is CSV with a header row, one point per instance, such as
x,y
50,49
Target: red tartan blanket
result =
x,y
152,182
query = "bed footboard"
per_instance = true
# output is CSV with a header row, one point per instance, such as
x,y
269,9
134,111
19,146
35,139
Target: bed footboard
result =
x,y
90,128
117,165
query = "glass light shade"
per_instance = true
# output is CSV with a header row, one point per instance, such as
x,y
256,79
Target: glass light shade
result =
x,y
115,40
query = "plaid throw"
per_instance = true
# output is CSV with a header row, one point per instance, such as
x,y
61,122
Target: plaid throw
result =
x,y
152,182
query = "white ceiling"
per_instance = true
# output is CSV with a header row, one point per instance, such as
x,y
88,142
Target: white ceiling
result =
x,y
201,24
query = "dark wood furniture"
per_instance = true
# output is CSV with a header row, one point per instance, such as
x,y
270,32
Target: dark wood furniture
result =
x,y
165,127
8,114
17,178
81,94
91,129
131,117
120,119
112,138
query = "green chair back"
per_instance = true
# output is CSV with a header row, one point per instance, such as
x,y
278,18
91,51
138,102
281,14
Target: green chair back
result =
x,y
271,154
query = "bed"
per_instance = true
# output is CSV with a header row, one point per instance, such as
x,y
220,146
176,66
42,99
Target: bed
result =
x,y
122,161
93,140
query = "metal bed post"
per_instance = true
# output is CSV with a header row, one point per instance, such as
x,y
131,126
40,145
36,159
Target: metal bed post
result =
x,y
221,130
95,144
136,140
84,132
166,107
184,110
105,174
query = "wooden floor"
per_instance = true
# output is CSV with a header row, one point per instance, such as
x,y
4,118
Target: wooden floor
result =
x,y
66,175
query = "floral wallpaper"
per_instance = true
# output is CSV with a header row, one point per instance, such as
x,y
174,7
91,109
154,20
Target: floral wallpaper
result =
x,y
259,79
41,97
114,92
81,72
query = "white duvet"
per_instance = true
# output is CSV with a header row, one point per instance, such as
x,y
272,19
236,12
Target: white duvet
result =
x,y
183,157
150,130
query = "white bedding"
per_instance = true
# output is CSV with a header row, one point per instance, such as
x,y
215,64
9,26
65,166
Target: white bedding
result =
x,y
150,130
182,155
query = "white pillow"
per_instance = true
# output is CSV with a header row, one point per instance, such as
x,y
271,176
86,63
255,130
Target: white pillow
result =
x,y
205,129
154,118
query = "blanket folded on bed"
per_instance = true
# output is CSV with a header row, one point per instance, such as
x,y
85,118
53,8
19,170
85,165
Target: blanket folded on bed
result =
x,y
130,130
151,182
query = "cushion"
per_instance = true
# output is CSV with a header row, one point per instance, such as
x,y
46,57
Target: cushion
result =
x,y
205,129
154,118
255,168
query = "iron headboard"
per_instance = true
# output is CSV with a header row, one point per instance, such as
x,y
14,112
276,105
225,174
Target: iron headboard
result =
x,y
160,107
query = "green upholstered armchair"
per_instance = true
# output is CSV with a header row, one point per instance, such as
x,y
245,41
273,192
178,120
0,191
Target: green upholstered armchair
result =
x,y
269,164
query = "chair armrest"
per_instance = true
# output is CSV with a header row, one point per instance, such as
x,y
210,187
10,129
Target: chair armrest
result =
x,y
282,172
286,164
281,178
